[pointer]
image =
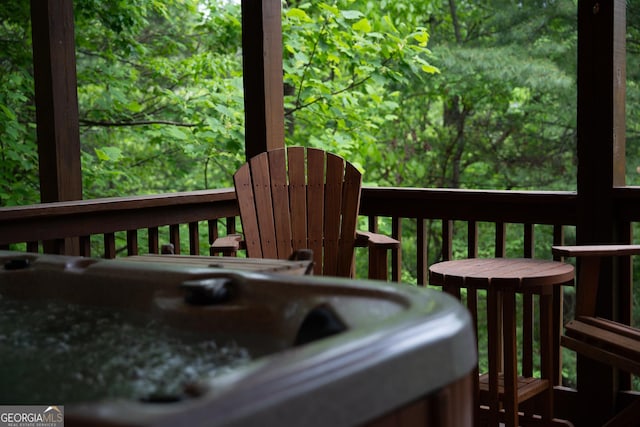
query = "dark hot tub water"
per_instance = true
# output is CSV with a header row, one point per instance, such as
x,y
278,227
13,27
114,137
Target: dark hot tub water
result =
x,y
59,352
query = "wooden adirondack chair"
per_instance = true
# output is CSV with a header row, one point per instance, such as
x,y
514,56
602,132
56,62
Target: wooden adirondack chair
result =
x,y
304,198
609,342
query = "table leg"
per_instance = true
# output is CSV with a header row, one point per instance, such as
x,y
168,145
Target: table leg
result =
x,y
510,398
493,344
546,346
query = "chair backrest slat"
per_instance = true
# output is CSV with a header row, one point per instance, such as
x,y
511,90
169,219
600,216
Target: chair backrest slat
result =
x,y
246,203
333,211
350,208
315,205
298,197
280,200
264,206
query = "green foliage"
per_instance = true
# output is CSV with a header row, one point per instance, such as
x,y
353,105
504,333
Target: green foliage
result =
x,y
160,86
342,63
161,103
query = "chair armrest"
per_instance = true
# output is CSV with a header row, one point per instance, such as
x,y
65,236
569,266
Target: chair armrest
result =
x,y
227,244
596,250
368,239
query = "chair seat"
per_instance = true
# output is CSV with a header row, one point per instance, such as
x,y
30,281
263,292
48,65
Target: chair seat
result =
x,y
527,387
606,341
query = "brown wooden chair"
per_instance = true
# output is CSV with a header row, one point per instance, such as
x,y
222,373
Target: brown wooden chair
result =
x,y
604,340
304,198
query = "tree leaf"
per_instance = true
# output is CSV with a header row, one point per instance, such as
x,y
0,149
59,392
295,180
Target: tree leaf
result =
x,y
362,25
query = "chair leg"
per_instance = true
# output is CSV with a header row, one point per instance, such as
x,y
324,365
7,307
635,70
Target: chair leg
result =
x,y
378,264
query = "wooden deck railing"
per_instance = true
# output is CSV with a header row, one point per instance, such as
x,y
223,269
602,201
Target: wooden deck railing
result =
x,y
33,225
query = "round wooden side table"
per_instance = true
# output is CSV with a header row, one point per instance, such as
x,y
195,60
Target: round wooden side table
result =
x,y
501,389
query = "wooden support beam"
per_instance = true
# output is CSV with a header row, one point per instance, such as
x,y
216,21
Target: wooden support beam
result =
x,y
262,75
56,100
601,166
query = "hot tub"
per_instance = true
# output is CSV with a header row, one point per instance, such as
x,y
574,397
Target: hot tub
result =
x,y
273,350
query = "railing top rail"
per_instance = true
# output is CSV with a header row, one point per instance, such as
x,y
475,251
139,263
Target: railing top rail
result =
x,y
85,217
539,207
116,203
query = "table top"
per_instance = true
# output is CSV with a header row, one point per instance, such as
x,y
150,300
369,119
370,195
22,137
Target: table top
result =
x,y
262,265
501,272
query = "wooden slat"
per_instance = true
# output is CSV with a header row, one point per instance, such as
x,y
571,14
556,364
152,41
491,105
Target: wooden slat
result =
x,y
472,239
501,239
153,240
85,246
261,182
421,251
316,203
447,239
298,198
602,355
109,245
396,255
527,333
194,239
529,241
132,242
212,229
333,208
280,200
596,250
244,193
174,237
350,208
558,315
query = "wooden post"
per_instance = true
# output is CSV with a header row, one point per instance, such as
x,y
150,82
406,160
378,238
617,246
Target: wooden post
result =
x,y
601,166
262,75
56,100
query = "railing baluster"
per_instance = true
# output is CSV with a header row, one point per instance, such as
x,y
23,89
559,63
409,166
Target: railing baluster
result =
x,y
373,224
59,246
132,242
231,225
194,239
396,256
501,239
527,308
557,315
421,252
85,246
472,239
529,241
174,237
109,245
447,239
231,229
213,233
153,240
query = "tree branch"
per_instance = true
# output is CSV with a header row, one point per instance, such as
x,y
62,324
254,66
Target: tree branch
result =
x,y
136,123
